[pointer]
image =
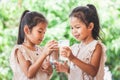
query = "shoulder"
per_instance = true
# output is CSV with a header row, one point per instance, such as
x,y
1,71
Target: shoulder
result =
x,y
15,51
104,49
98,51
98,47
97,44
18,50
21,54
102,44
15,48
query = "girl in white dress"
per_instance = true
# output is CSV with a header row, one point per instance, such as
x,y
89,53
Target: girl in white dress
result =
x,y
87,59
29,61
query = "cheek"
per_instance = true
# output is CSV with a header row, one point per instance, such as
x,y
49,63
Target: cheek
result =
x,y
72,32
34,36
84,32
39,36
79,31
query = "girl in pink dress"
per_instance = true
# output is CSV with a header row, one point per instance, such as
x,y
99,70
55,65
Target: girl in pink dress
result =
x,y
29,61
87,58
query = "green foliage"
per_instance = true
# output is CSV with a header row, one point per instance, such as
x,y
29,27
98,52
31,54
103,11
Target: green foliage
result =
x,y
57,13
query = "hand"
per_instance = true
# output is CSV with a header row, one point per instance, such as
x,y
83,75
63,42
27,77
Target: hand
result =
x,y
50,47
61,67
66,52
46,67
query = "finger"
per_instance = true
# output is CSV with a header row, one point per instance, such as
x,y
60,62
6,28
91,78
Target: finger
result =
x,y
49,43
44,70
51,50
63,53
57,66
53,45
56,62
65,63
66,48
53,42
56,69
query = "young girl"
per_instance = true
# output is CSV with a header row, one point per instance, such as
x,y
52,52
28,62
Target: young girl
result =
x,y
88,57
29,61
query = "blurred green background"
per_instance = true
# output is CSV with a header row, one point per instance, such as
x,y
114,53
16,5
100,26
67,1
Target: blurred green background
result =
x,y
57,12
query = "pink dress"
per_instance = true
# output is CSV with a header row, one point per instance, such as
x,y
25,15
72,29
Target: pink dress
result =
x,y
28,55
84,53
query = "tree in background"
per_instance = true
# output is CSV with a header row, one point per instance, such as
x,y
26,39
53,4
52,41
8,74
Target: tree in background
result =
x,y
57,13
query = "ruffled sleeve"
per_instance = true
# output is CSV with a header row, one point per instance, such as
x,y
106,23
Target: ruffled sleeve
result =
x,y
13,58
24,53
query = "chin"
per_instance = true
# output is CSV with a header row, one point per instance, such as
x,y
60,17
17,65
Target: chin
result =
x,y
78,39
38,43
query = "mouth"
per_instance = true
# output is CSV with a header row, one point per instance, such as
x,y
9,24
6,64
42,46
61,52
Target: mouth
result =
x,y
76,36
40,40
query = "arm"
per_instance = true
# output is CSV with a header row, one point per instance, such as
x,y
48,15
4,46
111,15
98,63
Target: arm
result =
x,y
30,69
93,67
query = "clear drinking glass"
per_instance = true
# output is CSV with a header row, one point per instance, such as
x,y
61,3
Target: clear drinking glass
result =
x,y
62,43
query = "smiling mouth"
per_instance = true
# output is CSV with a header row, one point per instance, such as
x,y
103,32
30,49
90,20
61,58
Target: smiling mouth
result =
x,y
76,36
40,40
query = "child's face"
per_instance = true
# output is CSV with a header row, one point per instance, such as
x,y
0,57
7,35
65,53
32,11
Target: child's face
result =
x,y
37,33
79,29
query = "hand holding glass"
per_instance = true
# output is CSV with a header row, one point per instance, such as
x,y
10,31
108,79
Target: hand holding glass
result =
x,y
61,44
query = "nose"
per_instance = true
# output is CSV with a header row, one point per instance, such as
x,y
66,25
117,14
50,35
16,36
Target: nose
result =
x,y
42,36
74,31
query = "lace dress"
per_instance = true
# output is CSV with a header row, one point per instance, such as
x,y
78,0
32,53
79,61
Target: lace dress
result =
x,y
30,55
84,53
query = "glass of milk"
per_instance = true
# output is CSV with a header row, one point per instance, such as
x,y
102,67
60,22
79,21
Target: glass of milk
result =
x,y
62,43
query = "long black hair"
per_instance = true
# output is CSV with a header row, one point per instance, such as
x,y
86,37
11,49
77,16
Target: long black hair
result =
x,y
30,19
88,14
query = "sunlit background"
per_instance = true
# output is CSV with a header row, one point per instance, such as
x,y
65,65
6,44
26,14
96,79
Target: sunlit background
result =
x,y
57,12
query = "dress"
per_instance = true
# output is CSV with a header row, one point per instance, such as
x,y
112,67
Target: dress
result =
x,y
84,53
28,55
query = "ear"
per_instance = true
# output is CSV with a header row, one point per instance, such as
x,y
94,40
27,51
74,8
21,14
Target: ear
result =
x,y
26,30
91,26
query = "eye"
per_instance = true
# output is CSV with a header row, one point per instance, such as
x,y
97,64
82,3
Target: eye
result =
x,y
71,27
77,27
40,31
44,32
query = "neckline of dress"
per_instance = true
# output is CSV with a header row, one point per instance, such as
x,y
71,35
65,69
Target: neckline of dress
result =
x,y
36,52
83,46
36,48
